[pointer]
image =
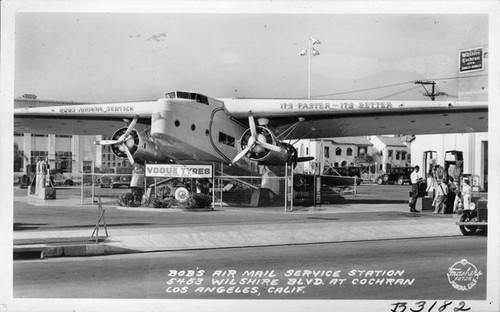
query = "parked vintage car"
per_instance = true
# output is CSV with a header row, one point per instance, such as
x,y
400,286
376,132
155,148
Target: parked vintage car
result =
x,y
399,175
350,171
116,177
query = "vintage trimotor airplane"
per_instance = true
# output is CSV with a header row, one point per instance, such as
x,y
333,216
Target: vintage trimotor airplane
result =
x,y
187,127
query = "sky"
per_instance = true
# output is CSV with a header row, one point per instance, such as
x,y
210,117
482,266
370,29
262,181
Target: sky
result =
x,y
109,57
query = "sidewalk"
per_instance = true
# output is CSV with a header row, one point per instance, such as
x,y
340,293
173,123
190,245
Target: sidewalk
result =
x,y
243,234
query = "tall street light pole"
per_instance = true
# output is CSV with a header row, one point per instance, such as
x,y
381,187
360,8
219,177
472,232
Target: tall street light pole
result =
x,y
310,51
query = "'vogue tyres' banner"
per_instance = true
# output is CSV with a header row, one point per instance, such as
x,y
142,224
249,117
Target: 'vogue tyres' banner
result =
x,y
178,171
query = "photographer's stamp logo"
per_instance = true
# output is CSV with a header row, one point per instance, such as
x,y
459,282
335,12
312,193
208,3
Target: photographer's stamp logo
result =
x,y
463,275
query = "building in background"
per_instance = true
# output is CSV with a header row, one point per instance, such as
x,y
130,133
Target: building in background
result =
x,y
334,152
390,151
375,154
67,154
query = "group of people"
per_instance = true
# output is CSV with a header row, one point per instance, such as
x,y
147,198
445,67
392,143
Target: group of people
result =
x,y
446,189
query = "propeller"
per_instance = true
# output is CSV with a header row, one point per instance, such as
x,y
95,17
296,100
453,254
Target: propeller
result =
x,y
257,142
125,142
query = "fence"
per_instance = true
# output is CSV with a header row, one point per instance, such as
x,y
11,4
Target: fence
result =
x,y
107,186
266,186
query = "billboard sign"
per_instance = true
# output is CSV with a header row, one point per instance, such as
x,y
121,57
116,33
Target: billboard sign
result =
x,y
471,60
178,171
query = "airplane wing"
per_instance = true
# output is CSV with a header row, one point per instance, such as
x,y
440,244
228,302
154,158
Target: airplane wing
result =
x,y
340,118
83,119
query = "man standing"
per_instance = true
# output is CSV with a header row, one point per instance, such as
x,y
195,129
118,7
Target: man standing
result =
x,y
416,179
441,193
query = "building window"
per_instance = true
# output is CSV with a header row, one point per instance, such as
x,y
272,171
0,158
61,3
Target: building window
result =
x,y
390,153
35,155
349,151
307,150
403,156
327,151
226,139
338,151
398,155
64,161
87,166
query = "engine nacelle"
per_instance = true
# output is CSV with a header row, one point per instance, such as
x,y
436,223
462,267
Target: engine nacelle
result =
x,y
141,148
264,156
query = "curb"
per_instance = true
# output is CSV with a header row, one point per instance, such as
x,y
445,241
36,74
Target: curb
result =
x,y
81,250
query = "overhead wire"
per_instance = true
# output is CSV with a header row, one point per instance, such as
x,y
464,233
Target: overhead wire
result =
x,y
366,89
395,85
398,93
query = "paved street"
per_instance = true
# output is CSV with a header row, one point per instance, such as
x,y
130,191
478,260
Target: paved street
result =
x,y
424,264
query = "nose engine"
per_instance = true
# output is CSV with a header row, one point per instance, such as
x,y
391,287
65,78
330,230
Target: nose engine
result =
x,y
129,143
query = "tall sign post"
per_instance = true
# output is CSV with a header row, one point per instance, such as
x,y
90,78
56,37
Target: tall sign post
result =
x,y
310,51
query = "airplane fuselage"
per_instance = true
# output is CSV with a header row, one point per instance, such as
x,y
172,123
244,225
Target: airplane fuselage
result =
x,y
190,130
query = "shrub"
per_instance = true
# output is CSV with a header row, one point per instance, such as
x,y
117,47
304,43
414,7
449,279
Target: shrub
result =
x,y
128,200
167,202
197,200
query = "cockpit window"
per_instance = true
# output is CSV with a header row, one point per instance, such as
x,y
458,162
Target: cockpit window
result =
x,y
187,95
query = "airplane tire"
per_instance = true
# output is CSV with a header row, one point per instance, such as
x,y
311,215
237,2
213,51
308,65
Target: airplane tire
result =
x,y
400,181
181,194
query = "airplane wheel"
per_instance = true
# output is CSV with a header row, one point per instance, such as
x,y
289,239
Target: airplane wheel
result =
x,y
400,181
380,181
467,229
181,194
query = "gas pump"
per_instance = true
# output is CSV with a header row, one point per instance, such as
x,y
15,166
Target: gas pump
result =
x,y
429,161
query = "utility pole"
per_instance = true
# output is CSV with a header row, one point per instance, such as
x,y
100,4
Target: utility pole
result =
x,y
432,95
